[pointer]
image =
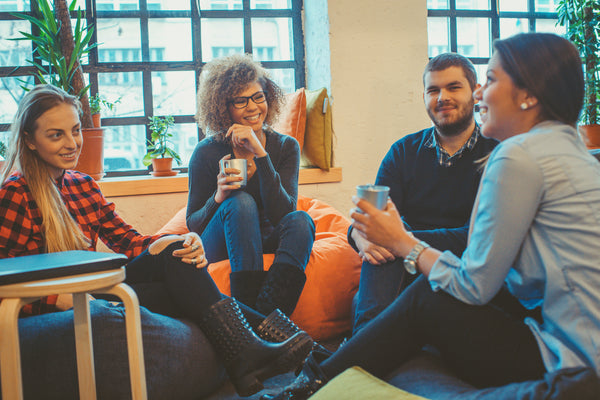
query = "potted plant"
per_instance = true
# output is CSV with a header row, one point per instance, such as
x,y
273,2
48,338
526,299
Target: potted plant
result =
x,y
160,151
97,103
582,20
58,50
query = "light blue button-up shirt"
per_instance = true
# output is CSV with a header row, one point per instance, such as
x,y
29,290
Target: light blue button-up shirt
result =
x,y
535,228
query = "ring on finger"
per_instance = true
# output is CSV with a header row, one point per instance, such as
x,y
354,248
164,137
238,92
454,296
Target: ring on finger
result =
x,y
195,247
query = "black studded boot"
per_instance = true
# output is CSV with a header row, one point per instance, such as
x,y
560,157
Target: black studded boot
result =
x,y
277,327
248,359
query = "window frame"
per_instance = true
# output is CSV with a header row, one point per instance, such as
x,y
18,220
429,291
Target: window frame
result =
x,y
93,67
493,14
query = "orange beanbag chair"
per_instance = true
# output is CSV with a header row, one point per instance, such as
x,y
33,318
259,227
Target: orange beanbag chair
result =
x,y
332,273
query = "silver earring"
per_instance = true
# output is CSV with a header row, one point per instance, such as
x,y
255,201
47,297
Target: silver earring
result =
x,y
524,106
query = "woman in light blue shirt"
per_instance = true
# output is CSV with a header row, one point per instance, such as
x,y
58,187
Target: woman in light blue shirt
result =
x,y
524,298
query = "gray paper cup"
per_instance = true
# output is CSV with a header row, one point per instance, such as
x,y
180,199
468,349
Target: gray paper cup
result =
x,y
374,194
237,163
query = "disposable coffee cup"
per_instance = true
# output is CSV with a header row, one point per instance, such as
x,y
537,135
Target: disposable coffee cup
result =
x,y
239,164
374,194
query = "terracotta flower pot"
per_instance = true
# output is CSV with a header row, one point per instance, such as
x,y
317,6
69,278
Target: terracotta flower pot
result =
x,y
96,120
91,159
590,135
162,167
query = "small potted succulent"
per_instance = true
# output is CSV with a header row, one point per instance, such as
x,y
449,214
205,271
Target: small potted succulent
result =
x,y
99,102
160,149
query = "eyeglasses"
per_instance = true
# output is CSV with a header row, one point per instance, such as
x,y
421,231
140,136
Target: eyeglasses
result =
x,y
242,101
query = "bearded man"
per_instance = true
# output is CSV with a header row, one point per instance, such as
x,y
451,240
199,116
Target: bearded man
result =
x,y
433,177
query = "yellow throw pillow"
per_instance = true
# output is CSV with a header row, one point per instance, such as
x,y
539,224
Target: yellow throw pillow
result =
x,y
357,384
318,134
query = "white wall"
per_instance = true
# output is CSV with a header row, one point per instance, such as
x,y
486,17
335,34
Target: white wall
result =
x,y
378,52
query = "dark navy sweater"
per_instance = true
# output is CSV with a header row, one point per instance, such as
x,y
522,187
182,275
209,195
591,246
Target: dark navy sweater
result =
x,y
435,201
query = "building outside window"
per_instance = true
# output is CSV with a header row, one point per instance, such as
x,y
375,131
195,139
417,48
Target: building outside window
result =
x,y
469,27
149,56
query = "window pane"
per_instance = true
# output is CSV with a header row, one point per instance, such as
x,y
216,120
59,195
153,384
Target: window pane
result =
x,y
124,147
185,138
170,39
512,26
168,5
14,5
174,93
270,4
437,4
11,94
14,52
546,5
549,25
116,5
215,43
285,78
439,40
472,4
473,37
119,40
481,72
128,87
272,39
512,5
220,4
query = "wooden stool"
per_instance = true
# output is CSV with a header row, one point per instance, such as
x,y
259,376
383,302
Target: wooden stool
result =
x,y
67,268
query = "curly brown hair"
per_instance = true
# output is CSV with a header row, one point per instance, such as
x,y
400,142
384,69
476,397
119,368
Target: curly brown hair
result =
x,y
222,79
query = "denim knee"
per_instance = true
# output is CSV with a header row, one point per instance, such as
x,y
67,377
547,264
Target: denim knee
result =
x,y
241,203
300,222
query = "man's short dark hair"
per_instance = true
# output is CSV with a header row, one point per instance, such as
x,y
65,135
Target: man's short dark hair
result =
x,y
447,60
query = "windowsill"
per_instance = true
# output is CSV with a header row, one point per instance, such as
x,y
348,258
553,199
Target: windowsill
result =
x,y
148,184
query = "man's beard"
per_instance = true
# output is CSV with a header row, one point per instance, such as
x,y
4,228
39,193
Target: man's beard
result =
x,y
463,121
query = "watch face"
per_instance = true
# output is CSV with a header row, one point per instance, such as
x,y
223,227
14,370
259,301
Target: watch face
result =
x,y
410,266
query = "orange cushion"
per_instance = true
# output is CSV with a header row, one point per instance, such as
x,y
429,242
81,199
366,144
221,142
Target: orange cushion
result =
x,y
292,120
176,225
332,273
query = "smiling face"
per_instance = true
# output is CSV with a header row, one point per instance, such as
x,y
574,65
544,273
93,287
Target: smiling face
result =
x,y
502,104
57,138
253,115
449,100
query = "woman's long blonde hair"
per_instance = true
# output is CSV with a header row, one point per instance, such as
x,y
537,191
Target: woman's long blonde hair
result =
x,y
59,229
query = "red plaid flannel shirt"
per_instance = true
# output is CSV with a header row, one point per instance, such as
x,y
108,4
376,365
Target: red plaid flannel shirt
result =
x,y
20,222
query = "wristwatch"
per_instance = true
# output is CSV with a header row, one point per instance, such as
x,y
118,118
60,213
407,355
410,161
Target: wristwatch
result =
x,y
410,261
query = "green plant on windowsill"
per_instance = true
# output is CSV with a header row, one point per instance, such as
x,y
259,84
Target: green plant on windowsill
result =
x,y
2,150
99,102
160,146
582,21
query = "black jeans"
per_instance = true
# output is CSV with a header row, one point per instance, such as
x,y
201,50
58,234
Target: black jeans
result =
x,y
486,345
166,285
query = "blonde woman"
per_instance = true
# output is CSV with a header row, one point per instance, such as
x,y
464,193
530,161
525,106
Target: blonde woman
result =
x,y
48,207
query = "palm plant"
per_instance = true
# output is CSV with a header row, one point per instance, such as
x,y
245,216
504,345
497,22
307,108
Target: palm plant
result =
x,y
582,20
58,48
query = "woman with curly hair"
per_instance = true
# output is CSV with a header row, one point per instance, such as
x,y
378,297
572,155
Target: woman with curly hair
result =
x,y
237,103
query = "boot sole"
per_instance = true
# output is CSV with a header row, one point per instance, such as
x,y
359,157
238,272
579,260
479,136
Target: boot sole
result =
x,y
298,350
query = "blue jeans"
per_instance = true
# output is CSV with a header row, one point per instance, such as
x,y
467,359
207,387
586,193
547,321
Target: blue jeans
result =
x,y
378,287
180,363
234,232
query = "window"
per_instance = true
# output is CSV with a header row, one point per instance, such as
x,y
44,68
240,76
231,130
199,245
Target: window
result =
x,y
150,55
469,27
